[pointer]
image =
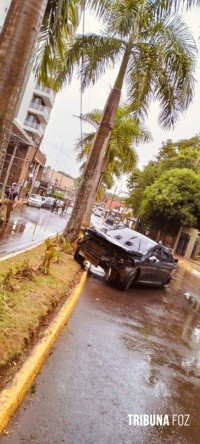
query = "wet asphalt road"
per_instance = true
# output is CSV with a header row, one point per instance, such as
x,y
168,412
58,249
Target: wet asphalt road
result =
x,y
29,225
134,352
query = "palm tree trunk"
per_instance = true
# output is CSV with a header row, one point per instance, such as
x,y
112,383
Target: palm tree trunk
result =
x,y
96,184
86,184
98,150
17,43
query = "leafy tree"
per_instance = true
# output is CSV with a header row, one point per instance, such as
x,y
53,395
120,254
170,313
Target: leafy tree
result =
x,y
138,182
173,200
182,154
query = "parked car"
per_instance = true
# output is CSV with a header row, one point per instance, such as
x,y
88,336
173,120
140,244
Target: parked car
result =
x,y
110,221
48,202
126,256
35,200
98,212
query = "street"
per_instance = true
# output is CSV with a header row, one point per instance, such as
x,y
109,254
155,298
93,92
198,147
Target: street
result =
x,y
28,226
121,353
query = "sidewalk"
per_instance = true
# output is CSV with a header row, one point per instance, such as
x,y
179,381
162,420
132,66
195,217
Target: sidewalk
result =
x,y
189,265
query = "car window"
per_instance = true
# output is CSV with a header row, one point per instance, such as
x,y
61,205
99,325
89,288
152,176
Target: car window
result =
x,y
167,256
158,253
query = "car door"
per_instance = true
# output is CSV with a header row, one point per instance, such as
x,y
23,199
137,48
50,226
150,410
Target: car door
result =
x,y
150,266
165,266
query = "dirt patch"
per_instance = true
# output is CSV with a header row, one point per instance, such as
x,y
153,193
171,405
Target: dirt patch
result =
x,y
27,310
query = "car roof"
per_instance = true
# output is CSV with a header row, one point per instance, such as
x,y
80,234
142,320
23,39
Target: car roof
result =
x,y
36,196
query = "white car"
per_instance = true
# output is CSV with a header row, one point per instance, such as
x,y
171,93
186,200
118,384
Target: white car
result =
x,y
98,212
35,200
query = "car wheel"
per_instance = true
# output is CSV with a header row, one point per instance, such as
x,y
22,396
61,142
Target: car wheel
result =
x,y
78,258
111,275
165,284
127,282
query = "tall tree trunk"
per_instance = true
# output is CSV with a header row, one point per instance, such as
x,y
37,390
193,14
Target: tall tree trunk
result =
x,y
17,43
96,184
86,184
98,151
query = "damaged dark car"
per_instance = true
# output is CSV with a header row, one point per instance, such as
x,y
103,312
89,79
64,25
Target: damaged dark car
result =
x,y
126,256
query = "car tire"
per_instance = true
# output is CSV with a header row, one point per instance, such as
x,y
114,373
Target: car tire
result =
x,y
78,258
112,277
166,283
127,282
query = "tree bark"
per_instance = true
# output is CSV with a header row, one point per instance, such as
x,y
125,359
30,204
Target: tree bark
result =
x,y
17,43
98,148
97,152
98,176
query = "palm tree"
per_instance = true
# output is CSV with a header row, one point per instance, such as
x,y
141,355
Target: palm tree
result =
x,y
17,45
120,158
157,59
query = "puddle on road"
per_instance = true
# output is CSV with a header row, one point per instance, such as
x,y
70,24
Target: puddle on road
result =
x,y
27,226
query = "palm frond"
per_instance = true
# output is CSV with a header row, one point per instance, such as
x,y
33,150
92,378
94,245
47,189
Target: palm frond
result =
x,y
99,7
93,117
164,69
88,55
99,54
83,145
59,23
124,18
167,6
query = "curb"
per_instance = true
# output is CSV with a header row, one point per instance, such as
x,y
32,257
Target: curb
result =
x,y
11,397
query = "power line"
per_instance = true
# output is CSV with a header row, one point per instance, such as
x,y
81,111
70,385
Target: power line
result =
x,y
81,80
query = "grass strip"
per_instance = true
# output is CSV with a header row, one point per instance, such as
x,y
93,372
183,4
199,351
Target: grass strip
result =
x,y
27,304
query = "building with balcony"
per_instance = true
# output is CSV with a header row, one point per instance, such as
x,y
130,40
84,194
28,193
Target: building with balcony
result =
x,y
38,111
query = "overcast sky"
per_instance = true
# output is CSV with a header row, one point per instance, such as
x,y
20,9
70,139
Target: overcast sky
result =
x,y
64,128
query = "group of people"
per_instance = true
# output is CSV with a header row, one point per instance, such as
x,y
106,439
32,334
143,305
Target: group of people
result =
x,y
56,205
8,203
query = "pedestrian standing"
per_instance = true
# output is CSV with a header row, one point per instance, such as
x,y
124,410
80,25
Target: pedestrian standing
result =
x,y
64,206
53,206
10,201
